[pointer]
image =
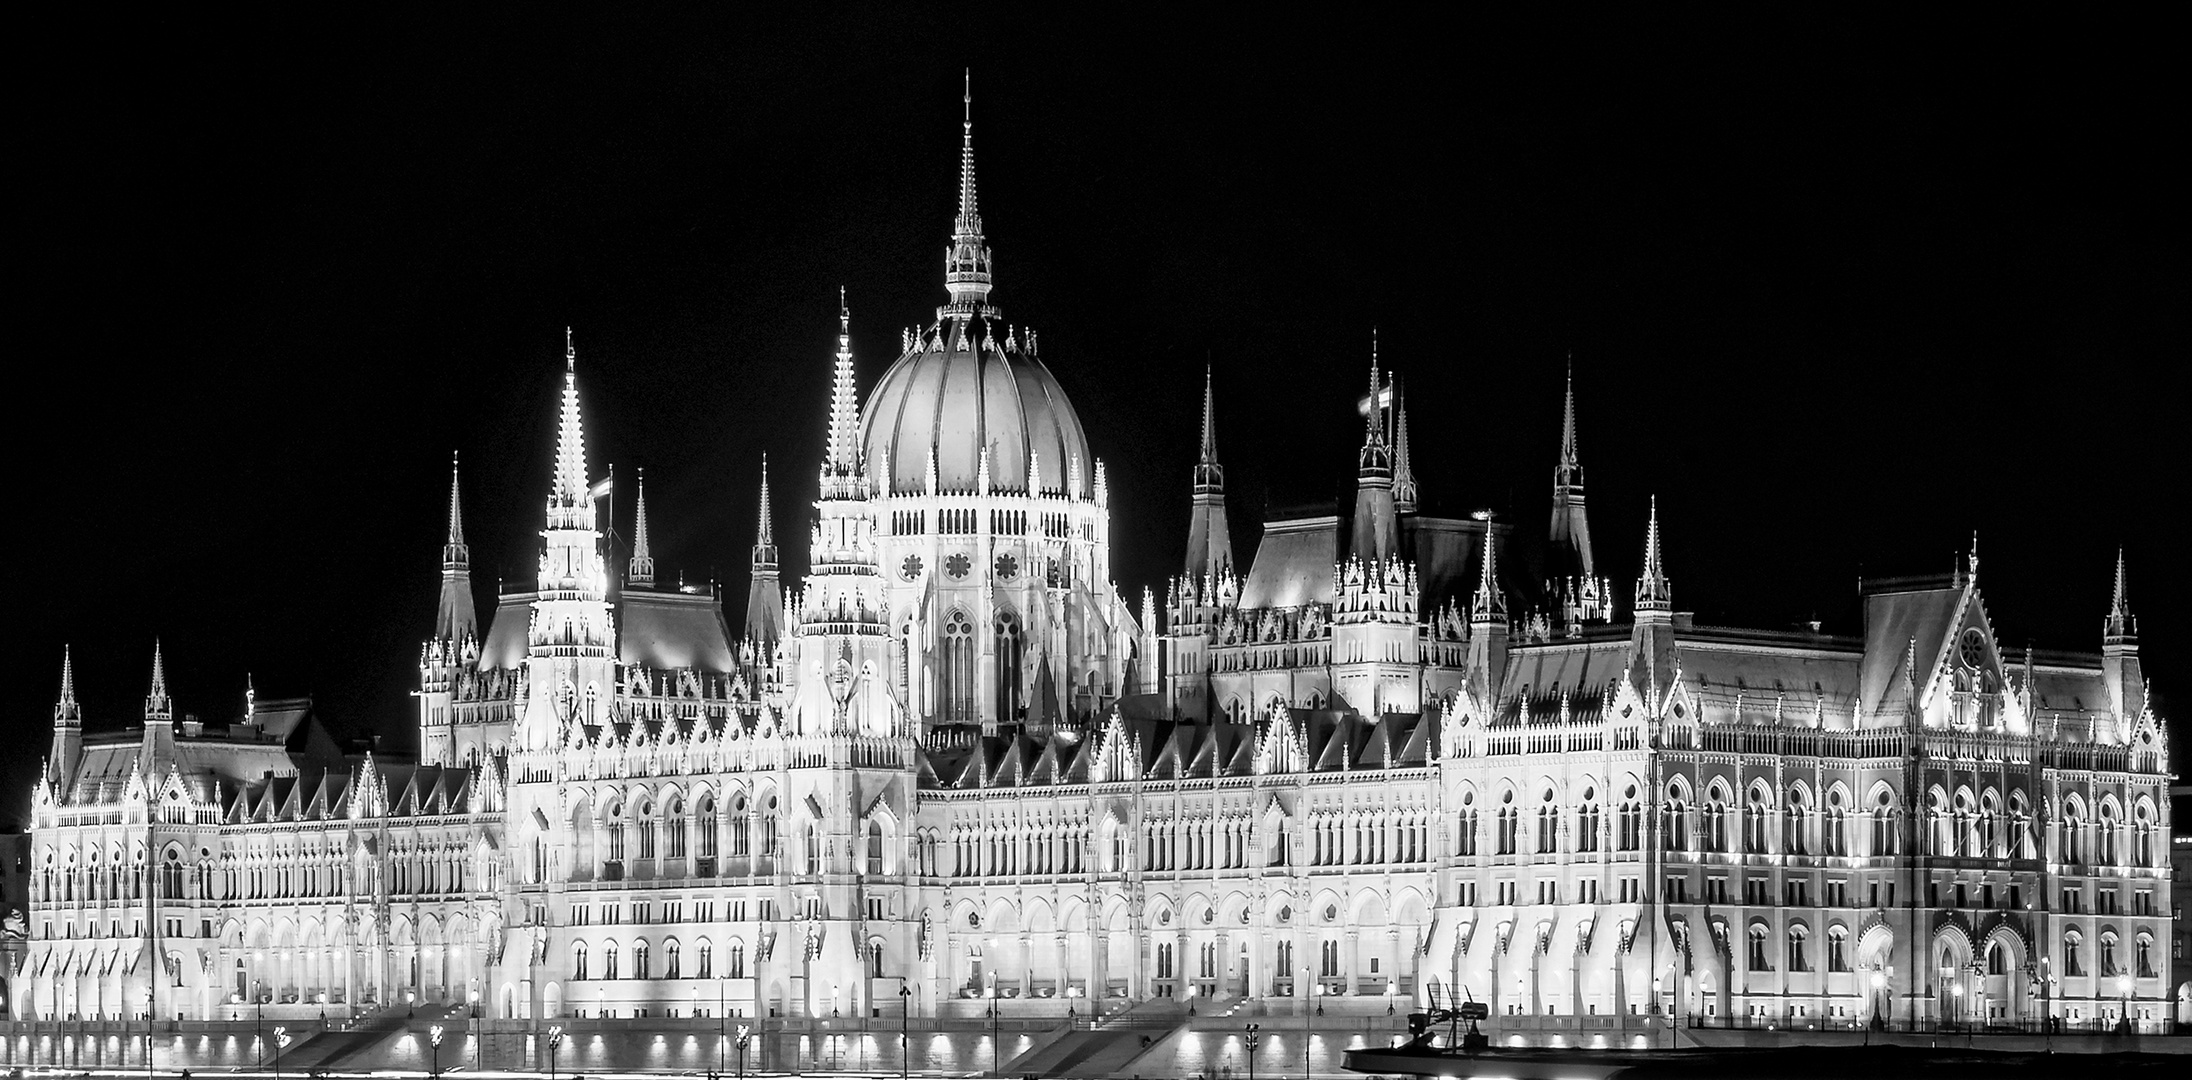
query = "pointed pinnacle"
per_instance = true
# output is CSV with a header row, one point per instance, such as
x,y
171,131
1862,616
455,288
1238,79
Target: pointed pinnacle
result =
x,y
1567,421
456,511
570,352
68,677
768,530
1486,602
1375,385
640,548
2119,605
159,671
1210,431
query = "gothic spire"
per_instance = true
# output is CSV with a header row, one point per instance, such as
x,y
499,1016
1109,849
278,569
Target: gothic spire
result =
x,y
2122,628
1375,455
967,261
1376,534
65,709
641,570
1404,477
1653,591
454,551
1209,538
1487,605
1570,470
844,435
570,489
768,527
157,704
1209,475
454,620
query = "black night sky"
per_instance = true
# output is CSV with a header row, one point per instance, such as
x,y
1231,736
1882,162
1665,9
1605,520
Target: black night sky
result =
x,y
1840,292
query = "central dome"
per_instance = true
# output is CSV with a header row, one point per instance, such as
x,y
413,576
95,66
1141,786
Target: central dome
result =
x,y
969,384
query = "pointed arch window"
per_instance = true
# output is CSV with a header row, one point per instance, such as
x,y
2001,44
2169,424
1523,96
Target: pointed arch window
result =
x,y
578,960
1009,647
958,671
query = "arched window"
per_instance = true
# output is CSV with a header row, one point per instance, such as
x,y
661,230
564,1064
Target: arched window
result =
x,y
706,958
1837,949
578,960
735,962
1632,820
741,828
647,831
1008,646
2109,968
674,827
669,959
1587,820
2073,965
1548,824
639,959
1507,823
958,671
875,848
1799,959
1677,831
1465,833
1755,822
2145,967
1716,822
1758,958
608,960
1883,825
2074,832
1799,824
1997,959
704,821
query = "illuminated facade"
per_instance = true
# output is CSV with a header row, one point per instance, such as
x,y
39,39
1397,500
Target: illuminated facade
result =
x,y
953,762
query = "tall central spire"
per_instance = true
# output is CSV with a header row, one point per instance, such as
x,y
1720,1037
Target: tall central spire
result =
x,y
1376,533
569,503
967,260
1208,473
1653,592
844,436
158,706
454,619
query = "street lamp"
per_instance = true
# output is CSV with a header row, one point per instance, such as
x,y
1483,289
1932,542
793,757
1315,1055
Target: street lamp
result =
x,y
1879,983
433,1036
281,1039
905,1030
745,1035
995,1069
1250,1041
1659,1005
2123,994
555,1039
1956,1008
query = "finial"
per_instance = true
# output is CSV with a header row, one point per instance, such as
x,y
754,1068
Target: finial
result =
x,y
1971,561
1653,591
453,546
2122,626
157,704
68,677
768,530
1567,421
641,570
1487,604
570,353
1210,431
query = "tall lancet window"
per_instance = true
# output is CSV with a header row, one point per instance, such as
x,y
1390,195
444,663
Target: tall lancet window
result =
x,y
1009,648
958,670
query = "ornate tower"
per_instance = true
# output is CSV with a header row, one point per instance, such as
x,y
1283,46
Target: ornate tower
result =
x,y
569,668
2120,654
68,730
1651,638
1209,544
1376,535
1578,594
639,572
764,625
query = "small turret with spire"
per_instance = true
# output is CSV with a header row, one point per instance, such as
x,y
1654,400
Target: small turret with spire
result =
x,y
68,729
1486,666
159,744
1209,540
640,572
2121,670
765,595
1651,636
1376,534
1579,594
1404,476
455,621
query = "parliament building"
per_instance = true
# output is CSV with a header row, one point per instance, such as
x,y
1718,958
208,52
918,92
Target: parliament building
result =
x,y
1385,757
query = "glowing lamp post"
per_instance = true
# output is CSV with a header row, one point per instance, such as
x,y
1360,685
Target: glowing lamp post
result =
x,y
555,1039
433,1038
2123,995
745,1035
1250,1041
1879,983
1956,1007
281,1039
